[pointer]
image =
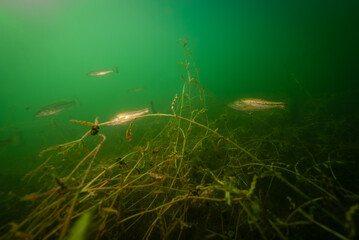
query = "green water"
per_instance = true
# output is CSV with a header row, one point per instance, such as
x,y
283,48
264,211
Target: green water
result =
x,y
291,51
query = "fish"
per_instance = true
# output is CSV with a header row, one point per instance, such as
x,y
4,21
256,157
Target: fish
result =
x,y
55,108
136,89
255,104
102,72
124,117
7,141
13,140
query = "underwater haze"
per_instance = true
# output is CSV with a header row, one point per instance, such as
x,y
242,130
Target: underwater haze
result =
x,y
197,62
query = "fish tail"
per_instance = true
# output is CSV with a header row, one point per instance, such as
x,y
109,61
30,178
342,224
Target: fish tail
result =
x,y
76,101
115,69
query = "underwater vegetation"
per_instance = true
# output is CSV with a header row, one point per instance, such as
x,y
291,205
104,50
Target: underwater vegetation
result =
x,y
182,176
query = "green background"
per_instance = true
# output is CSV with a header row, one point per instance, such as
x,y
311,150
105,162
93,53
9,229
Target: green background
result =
x,y
242,48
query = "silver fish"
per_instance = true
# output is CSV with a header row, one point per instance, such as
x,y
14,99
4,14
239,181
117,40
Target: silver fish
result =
x,y
136,89
123,117
55,108
102,72
255,104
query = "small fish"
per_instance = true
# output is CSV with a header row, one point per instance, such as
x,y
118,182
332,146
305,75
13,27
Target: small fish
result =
x,y
136,89
55,108
156,176
124,117
102,72
7,141
13,140
255,104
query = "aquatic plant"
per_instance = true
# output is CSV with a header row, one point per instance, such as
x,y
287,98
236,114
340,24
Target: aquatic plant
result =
x,y
192,178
